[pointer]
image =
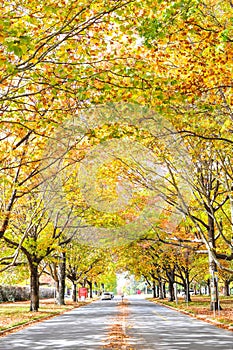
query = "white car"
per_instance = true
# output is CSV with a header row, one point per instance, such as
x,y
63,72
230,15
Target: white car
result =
x,y
106,296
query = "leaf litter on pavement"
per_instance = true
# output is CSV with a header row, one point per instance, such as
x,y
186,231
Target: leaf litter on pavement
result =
x,y
117,337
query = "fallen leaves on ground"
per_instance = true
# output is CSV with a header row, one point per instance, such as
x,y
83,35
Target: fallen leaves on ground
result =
x,y
117,337
16,315
200,308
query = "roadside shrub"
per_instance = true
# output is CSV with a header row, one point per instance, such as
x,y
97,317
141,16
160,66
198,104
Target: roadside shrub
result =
x,y
15,293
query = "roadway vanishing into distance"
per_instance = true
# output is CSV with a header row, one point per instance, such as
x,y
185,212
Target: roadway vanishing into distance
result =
x,y
134,324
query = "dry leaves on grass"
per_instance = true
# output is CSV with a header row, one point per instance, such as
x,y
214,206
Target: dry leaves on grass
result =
x,y
200,308
15,316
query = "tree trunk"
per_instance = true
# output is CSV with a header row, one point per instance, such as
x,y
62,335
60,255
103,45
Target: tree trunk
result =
x,y
154,289
187,287
90,288
57,290
171,290
91,294
74,292
214,303
226,289
62,279
164,289
34,286
207,288
171,280
161,289
54,275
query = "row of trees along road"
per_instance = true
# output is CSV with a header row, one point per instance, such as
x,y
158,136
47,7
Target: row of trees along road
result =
x,y
169,269
60,58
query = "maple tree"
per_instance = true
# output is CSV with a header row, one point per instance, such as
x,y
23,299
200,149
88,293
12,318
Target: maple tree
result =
x,y
50,67
35,233
191,53
190,42
174,57
208,213
84,264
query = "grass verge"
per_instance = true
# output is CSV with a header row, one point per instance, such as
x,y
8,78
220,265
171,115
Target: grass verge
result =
x,y
16,315
199,307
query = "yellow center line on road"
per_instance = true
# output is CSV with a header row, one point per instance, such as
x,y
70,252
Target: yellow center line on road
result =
x,y
159,315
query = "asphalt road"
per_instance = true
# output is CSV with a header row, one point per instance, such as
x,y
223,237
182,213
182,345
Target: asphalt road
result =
x,y
137,324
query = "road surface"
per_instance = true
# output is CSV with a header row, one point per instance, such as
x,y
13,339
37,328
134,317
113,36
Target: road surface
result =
x,y
134,324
